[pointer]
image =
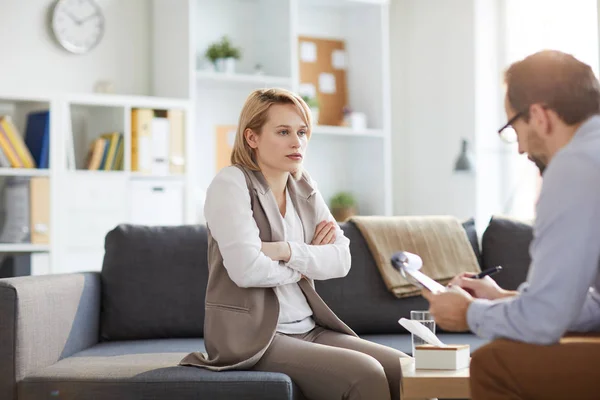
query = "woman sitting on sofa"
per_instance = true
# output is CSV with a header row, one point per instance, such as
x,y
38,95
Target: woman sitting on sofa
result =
x,y
270,235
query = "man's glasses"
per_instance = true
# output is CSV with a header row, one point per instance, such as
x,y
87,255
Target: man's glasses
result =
x,y
507,132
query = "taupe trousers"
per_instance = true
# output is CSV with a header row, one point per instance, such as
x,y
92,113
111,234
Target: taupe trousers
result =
x,y
329,365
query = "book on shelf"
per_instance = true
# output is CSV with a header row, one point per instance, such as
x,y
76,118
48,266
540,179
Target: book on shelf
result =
x,y
106,153
157,141
37,137
31,151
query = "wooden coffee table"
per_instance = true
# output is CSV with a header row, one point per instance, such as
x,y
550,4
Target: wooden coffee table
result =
x,y
428,383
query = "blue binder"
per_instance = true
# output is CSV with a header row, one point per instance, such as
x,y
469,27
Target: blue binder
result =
x,y
37,137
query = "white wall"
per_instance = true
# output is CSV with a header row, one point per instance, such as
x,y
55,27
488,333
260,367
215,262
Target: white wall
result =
x,y
433,104
32,60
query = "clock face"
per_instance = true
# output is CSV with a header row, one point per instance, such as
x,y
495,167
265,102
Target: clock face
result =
x,y
78,24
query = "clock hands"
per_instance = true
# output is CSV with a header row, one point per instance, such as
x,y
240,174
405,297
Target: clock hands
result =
x,y
77,21
95,14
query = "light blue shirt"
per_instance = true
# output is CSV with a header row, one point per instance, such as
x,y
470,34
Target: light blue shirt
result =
x,y
561,292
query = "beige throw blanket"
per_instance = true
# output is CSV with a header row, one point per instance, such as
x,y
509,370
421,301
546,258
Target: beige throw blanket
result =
x,y
440,241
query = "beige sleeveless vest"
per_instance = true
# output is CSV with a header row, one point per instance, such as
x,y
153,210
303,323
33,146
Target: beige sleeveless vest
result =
x,y
240,323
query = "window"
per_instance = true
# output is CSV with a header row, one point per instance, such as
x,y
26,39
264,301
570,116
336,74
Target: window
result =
x,y
531,26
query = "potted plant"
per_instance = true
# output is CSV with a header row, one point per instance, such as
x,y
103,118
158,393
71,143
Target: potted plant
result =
x,y
223,55
343,206
214,53
313,104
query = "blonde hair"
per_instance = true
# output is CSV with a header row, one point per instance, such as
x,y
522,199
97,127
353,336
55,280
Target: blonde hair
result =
x,y
254,116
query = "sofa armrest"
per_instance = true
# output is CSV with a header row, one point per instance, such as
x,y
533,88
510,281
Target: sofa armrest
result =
x,y
44,319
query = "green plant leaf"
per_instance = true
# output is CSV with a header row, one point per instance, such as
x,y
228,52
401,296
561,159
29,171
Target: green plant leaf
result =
x,y
343,200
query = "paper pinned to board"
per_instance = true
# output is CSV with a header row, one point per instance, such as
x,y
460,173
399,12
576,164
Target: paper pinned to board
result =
x,y
327,83
307,89
338,59
308,52
421,331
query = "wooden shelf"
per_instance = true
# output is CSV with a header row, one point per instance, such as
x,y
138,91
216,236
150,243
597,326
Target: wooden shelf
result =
x,y
208,77
346,131
24,172
23,248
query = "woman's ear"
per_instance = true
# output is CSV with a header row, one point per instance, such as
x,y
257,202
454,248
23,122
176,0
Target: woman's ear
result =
x,y
251,138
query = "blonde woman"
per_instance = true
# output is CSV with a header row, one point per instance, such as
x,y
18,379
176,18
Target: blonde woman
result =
x,y
270,235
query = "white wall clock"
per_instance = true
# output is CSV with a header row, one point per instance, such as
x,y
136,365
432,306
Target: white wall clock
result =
x,y
78,25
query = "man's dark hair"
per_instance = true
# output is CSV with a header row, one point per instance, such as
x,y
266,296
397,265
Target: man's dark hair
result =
x,y
556,80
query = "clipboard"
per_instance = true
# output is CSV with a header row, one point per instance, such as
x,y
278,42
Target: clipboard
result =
x,y
409,264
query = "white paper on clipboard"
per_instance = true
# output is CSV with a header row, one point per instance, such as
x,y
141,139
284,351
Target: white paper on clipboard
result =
x,y
427,282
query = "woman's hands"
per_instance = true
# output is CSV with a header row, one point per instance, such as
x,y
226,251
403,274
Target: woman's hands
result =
x,y
281,251
324,233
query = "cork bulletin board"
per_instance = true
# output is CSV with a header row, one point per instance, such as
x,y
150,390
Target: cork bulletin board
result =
x,y
323,74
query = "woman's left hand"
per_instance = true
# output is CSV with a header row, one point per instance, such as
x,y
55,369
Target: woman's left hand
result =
x,y
324,233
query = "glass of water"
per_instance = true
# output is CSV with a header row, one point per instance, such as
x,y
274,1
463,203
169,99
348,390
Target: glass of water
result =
x,y
426,319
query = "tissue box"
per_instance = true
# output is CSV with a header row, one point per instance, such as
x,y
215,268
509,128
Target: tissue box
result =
x,y
449,357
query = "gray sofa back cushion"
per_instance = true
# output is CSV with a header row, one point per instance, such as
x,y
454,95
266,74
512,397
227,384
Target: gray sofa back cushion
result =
x,y
154,282
506,242
154,285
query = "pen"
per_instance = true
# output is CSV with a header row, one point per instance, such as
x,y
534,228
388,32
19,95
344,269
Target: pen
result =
x,y
487,272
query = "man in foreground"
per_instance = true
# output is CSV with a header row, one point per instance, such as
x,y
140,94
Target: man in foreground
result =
x,y
553,104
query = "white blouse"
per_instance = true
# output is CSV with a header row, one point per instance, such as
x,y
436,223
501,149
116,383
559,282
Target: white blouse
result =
x,y
229,217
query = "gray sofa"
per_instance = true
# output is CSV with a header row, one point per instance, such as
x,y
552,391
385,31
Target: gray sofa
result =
x,y
119,334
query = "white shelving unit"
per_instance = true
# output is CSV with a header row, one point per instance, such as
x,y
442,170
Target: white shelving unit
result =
x,y
84,205
267,31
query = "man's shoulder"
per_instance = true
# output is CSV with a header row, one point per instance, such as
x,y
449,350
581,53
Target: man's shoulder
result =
x,y
584,148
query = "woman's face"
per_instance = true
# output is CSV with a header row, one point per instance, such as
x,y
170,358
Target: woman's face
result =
x,y
281,144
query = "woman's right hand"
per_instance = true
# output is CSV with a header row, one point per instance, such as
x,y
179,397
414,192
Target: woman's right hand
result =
x,y
485,288
324,233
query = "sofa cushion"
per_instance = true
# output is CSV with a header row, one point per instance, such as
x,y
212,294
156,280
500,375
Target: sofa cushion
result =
x,y
154,282
148,370
361,298
505,242
471,230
